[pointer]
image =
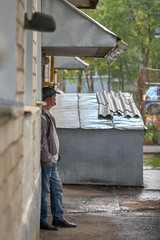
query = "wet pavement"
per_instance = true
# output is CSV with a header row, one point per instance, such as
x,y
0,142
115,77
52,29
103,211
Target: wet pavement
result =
x,y
111,213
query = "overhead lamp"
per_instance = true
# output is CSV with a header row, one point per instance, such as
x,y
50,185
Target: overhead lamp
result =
x,y
45,60
40,22
119,50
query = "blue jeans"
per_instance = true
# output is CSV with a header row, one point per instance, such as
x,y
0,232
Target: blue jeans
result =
x,y
52,184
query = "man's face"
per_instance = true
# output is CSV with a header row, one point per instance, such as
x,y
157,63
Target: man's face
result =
x,y
53,100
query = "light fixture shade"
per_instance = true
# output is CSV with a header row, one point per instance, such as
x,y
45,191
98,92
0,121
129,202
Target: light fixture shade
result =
x,y
40,22
117,52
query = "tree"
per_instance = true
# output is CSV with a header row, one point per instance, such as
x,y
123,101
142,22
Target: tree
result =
x,y
135,22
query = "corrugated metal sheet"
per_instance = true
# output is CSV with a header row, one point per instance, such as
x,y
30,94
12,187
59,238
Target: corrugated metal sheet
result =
x,y
88,110
66,111
77,34
82,111
70,63
116,103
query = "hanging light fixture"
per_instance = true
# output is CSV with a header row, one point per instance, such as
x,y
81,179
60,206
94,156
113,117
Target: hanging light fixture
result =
x,y
118,51
40,22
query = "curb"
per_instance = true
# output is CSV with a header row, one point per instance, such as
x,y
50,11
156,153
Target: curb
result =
x,y
151,149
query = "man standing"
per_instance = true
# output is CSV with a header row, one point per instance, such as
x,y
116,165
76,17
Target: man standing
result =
x,y
51,182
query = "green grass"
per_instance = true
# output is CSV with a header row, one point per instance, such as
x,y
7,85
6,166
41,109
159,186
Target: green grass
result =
x,y
151,136
152,160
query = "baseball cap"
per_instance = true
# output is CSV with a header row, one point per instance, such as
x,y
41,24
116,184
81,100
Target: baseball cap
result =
x,y
49,92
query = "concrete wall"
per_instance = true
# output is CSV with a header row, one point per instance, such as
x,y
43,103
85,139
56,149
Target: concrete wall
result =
x,y
20,50
11,154
101,156
8,45
31,170
11,127
20,176
20,173
31,175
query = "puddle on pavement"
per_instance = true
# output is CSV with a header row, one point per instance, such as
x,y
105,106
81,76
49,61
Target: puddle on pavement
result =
x,y
150,195
151,179
110,200
92,204
100,205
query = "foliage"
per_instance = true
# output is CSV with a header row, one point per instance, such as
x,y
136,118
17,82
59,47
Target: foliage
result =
x,y
69,75
73,77
151,136
135,22
153,160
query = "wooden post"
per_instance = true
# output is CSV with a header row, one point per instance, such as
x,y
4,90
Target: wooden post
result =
x,y
52,69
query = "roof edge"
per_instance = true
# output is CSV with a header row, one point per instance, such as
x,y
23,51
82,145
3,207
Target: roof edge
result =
x,y
91,19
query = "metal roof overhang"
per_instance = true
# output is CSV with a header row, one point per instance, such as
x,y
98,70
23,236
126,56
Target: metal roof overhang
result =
x,y
76,33
70,63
